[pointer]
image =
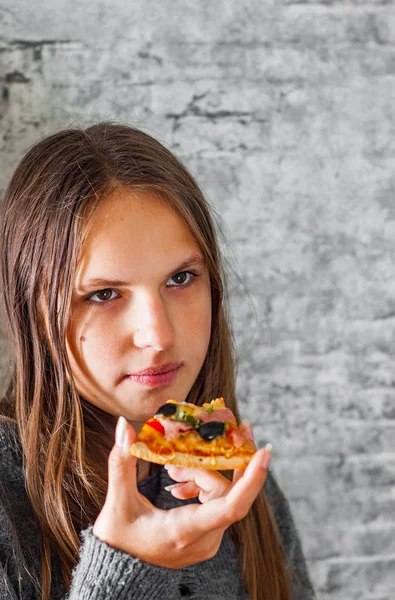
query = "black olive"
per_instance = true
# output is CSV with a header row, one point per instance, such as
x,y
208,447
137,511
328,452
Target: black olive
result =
x,y
211,430
167,409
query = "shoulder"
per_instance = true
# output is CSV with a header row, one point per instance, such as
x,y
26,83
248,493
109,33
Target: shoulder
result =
x,y
281,511
10,451
12,481
19,532
276,497
301,585
15,507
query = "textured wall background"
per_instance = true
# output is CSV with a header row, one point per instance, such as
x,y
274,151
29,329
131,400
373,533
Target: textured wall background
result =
x,y
285,112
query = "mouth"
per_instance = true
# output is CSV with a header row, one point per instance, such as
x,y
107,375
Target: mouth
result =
x,y
156,376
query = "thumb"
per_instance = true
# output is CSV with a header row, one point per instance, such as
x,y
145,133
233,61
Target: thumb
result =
x,y
122,476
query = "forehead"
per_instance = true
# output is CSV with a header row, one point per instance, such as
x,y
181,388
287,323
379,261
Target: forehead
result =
x,y
135,229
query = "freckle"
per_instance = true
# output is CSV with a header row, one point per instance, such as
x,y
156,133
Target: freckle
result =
x,y
82,338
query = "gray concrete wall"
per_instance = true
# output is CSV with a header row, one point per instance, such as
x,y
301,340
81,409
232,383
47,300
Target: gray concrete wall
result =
x,y
285,112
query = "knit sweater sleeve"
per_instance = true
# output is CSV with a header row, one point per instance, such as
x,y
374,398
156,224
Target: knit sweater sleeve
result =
x,y
301,585
6,589
104,572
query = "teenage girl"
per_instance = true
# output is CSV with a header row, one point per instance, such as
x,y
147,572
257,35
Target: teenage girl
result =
x,y
114,297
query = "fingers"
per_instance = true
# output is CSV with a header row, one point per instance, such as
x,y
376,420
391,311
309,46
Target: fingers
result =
x,y
237,474
246,488
122,478
221,512
184,491
122,487
209,484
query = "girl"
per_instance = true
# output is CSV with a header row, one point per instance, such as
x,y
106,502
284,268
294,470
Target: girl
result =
x,y
114,297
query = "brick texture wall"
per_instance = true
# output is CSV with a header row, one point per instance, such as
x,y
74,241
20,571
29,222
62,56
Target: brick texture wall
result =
x,y
285,113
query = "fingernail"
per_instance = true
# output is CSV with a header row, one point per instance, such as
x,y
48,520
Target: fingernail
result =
x,y
120,432
168,488
268,456
167,467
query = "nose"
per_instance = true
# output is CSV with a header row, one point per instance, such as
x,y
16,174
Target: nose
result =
x,y
152,325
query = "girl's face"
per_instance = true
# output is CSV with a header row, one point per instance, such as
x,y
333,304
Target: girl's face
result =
x,y
140,319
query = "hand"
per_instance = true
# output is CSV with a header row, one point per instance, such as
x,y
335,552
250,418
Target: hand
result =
x,y
201,483
179,537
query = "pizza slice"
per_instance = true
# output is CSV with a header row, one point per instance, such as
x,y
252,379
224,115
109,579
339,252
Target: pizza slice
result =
x,y
187,435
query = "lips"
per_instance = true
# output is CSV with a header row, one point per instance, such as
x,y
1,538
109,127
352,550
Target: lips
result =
x,y
156,376
158,370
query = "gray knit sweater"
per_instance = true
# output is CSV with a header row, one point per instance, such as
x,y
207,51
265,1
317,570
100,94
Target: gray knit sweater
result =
x,y
104,573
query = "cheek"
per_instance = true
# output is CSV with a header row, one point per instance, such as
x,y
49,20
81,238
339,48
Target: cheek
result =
x,y
100,345
197,324
90,345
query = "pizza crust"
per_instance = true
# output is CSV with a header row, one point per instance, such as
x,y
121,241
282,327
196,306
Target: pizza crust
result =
x,y
184,459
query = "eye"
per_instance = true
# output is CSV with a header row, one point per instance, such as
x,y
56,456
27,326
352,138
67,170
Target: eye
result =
x,y
103,296
181,279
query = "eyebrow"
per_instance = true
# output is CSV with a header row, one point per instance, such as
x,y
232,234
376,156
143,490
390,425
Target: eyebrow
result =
x,y
99,282
193,261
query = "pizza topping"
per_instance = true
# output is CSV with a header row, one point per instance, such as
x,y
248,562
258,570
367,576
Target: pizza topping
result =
x,y
167,409
172,428
186,417
219,414
210,431
246,425
240,435
179,412
196,415
214,404
157,425
189,435
210,421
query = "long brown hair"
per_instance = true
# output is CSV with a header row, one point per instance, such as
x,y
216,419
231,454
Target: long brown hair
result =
x,y
65,439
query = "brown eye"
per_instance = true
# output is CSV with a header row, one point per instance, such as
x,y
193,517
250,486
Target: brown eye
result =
x,y
180,279
103,295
